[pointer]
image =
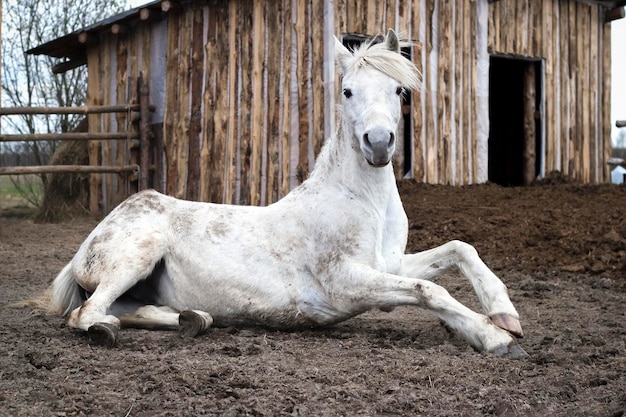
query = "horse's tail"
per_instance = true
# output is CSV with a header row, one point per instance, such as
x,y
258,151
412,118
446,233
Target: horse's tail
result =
x,y
65,293
63,296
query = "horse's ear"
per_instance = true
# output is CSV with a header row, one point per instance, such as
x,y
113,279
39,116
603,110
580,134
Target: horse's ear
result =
x,y
342,55
392,41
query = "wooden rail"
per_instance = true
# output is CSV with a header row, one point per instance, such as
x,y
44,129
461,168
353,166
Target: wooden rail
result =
x,y
7,111
68,136
69,169
620,123
141,111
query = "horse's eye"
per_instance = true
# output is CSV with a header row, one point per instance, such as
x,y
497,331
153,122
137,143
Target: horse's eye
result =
x,y
347,92
399,91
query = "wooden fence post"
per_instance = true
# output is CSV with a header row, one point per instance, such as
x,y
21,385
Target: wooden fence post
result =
x,y
144,132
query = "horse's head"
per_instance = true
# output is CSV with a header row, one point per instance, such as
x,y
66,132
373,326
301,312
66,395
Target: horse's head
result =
x,y
374,77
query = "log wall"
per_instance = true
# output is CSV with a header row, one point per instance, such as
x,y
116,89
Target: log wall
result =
x,y
252,117
245,89
574,43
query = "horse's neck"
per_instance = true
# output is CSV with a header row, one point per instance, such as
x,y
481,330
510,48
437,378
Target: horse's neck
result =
x,y
342,162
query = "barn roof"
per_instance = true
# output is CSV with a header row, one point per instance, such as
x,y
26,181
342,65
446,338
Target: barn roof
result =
x,y
72,48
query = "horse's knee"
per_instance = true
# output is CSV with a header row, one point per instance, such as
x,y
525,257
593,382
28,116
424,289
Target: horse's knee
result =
x,y
462,250
435,297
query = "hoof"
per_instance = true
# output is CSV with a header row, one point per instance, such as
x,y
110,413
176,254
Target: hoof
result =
x,y
511,351
508,323
103,334
192,324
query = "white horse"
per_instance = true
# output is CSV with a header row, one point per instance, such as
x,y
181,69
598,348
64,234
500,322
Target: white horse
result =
x,y
331,249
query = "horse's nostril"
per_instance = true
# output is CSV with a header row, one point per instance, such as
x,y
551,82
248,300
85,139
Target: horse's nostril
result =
x,y
366,140
392,139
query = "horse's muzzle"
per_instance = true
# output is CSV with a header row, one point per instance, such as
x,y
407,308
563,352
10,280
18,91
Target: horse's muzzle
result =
x,y
378,145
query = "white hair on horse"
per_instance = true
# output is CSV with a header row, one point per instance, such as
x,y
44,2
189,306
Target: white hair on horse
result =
x,y
389,62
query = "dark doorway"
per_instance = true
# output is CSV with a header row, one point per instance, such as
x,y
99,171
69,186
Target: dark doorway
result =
x,y
515,149
353,41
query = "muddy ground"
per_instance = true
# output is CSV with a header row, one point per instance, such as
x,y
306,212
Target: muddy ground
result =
x,y
559,247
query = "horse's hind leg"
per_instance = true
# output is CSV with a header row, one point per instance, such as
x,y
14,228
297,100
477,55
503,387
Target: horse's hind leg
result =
x,y
189,323
109,268
491,292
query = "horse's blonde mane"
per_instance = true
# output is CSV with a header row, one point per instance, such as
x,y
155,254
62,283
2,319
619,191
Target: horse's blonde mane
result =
x,y
391,63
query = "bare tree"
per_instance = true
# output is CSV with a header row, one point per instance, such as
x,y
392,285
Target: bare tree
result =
x,y
28,80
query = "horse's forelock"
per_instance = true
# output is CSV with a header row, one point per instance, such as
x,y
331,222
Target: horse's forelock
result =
x,y
391,63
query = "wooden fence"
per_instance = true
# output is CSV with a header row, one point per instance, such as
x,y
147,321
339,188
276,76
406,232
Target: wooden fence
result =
x,y
139,137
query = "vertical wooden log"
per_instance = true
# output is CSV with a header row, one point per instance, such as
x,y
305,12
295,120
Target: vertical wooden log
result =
x,y
360,16
274,65
259,102
171,115
302,45
317,74
212,86
494,27
144,132
221,137
564,35
505,25
579,131
430,92
245,136
593,91
418,99
122,151
543,37
285,132
184,111
108,193
402,27
233,86
522,28
605,120
403,18
573,70
466,69
373,17
341,16
586,93
473,157
530,134
458,116
94,64
537,25
556,84
195,121
390,17
606,99
443,91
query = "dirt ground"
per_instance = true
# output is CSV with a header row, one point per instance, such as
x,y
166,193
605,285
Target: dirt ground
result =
x,y
560,248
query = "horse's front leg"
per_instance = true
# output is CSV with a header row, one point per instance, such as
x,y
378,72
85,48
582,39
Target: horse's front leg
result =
x,y
491,292
366,288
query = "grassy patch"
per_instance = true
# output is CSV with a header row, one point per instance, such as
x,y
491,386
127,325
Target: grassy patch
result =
x,y
12,195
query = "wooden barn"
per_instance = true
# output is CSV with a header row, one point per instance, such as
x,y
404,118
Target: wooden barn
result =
x,y
244,91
